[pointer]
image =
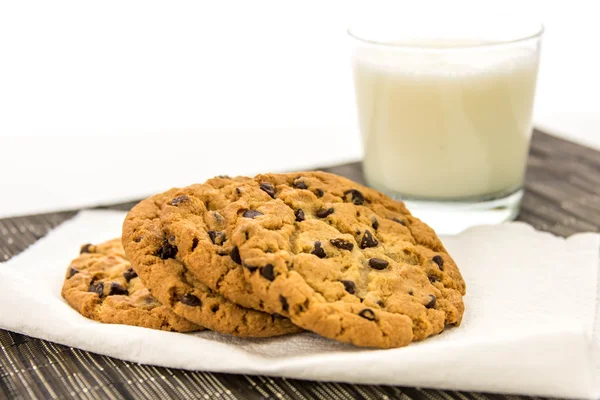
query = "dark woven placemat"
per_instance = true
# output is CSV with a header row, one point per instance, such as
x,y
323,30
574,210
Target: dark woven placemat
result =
x,y
562,196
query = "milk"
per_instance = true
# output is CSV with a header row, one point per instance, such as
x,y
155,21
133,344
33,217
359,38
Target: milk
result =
x,y
446,124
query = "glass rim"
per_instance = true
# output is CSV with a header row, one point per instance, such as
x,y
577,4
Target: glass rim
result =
x,y
539,31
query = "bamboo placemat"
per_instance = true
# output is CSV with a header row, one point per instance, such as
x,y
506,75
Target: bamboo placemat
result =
x,y
562,196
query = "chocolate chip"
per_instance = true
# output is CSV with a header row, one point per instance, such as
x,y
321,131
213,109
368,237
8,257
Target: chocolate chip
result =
x,y
375,223
368,241
324,212
284,304
318,250
357,197
129,274
433,278
439,261
431,303
178,200
138,239
250,268
342,244
349,286
116,289
217,237
268,188
378,263
401,222
319,192
72,271
235,255
380,303
252,214
268,272
166,251
195,242
300,185
97,288
367,313
190,300
301,307
410,292
299,215
238,190
87,248
214,308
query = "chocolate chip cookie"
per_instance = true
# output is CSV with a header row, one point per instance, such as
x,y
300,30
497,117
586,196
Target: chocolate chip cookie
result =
x,y
337,258
100,284
153,256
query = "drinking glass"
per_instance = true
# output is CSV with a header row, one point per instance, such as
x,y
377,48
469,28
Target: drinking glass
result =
x,y
445,113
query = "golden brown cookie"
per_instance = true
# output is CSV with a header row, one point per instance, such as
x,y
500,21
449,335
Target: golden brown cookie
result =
x,y
101,285
153,258
337,258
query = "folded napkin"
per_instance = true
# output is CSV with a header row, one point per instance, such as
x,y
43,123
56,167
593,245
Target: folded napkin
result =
x,y
528,326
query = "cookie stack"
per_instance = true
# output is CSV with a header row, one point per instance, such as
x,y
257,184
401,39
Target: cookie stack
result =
x,y
273,255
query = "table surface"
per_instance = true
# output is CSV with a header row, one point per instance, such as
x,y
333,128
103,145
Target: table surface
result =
x,y
562,196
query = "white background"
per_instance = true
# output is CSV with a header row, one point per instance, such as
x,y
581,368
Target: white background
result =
x,y
113,100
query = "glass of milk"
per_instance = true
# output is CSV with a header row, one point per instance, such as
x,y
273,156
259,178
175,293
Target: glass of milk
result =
x,y
444,110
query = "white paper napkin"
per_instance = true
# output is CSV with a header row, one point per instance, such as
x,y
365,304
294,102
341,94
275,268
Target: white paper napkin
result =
x,y
528,326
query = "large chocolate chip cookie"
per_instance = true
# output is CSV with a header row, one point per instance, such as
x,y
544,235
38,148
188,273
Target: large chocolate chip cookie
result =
x,y
337,258
101,285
